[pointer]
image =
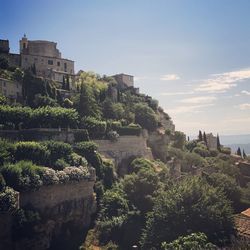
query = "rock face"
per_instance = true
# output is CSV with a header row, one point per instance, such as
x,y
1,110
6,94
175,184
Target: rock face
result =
x,y
158,142
65,214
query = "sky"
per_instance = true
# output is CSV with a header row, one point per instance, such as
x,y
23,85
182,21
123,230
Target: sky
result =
x,y
191,55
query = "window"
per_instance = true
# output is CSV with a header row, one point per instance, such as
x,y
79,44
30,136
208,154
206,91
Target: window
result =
x,y
58,63
17,86
35,59
4,84
50,62
65,67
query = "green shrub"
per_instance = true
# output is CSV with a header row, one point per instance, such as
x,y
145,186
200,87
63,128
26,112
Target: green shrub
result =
x,y
23,175
77,160
8,201
140,163
202,152
2,182
88,150
57,150
33,151
225,150
96,128
131,129
6,151
60,164
190,242
112,136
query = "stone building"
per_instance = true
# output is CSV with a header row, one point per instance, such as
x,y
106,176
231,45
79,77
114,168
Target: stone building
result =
x,y
11,89
124,81
14,60
47,60
211,141
44,56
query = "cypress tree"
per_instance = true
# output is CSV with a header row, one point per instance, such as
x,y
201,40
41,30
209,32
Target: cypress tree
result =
x,y
205,138
244,154
239,152
200,136
218,143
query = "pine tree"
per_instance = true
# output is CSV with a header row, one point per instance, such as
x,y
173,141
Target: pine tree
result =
x,y
218,143
200,136
244,154
239,152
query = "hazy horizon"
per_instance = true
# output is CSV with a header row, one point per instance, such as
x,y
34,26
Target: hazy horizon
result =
x,y
192,56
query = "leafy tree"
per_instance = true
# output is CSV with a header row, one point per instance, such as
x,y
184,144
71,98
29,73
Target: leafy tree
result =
x,y
179,139
227,185
140,187
190,206
145,116
194,241
87,105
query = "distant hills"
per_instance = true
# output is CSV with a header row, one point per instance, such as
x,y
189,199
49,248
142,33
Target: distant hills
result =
x,y
235,141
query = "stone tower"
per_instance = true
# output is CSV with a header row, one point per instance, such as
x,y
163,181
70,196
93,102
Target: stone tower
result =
x,y
23,43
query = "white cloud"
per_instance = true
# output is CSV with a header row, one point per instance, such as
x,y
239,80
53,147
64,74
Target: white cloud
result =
x,y
177,93
140,78
188,109
199,100
220,83
244,106
170,77
245,92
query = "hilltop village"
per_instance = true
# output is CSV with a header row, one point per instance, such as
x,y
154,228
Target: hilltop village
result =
x,y
88,161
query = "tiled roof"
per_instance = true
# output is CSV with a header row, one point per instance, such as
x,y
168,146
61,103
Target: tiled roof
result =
x,y
242,222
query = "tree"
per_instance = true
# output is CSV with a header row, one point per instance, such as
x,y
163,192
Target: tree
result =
x,y
145,116
200,136
205,138
87,105
179,139
239,152
227,185
244,154
194,241
188,207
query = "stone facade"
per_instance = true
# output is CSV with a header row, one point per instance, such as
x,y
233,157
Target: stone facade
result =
x,y
211,141
65,211
11,89
47,59
124,80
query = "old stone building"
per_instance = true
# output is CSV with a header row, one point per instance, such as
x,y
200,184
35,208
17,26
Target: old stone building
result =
x,y
14,60
124,81
44,56
47,60
211,141
12,90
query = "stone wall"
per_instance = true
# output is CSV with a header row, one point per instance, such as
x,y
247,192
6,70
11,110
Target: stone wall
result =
x,y
40,134
65,214
125,148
